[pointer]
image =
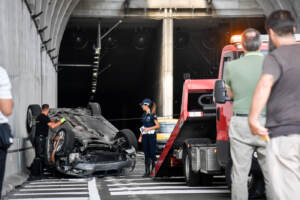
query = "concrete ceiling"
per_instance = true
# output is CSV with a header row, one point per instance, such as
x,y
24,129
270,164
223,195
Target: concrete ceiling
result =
x,y
55,16
56,13
292,5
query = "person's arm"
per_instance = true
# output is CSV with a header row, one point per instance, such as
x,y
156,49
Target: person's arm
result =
x,y
6,102
229,93
6,106
228,81
140,138
53,125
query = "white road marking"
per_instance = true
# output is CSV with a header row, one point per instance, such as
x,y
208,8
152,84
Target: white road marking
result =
x,y
151,192
50,194
62,180
56,182
57,186
53,189
219,176
165,187
137,179
56,198
93,191
152,183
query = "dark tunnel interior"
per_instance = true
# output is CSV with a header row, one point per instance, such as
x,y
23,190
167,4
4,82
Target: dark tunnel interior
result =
x,y
130,60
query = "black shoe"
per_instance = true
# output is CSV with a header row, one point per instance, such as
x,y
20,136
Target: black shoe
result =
x,y
147,168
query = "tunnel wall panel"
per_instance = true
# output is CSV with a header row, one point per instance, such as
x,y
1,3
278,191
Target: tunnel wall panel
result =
x,y
33,78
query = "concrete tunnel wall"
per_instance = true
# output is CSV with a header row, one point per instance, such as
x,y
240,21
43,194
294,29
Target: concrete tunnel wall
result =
x,y
30,68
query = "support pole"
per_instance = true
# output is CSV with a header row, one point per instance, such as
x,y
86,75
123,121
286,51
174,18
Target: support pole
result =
x,y
166,73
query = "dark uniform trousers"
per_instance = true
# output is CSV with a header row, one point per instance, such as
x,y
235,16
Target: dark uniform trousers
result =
x,y
4,128
38,165
3,153
149,146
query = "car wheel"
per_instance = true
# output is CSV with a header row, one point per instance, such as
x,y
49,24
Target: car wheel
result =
x,y
191,178
95,108
130,138
33,111
65,144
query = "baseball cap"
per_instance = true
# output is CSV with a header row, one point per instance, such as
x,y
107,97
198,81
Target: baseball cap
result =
x,y
146,102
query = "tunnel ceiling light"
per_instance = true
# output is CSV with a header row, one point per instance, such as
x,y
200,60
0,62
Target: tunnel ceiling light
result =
x,y
110,42
141,40
181,40
79,38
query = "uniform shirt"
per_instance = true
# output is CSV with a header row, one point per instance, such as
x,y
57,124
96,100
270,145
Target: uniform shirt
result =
x,y
42,127
283,107
241,76
148,120
5,91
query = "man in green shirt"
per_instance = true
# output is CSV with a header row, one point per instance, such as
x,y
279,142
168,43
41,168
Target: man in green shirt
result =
x,y
241,77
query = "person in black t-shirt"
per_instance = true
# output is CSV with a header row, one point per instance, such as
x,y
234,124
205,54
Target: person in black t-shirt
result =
x,y
279,88
43,122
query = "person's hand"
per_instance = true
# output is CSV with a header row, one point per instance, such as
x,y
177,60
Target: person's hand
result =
x,y
62,120
140,139
146,130
258,129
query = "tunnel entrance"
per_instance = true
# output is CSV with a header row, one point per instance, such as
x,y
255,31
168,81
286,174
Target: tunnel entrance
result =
x,y
131,59
128,66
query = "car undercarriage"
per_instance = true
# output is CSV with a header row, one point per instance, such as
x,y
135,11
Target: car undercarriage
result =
x,y
86,144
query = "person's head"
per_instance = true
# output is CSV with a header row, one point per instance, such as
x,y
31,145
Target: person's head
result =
x,y
45,109
148,106
280,25
251,39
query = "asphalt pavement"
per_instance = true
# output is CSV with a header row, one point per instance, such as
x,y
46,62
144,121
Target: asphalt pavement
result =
x,y
131,186
135,187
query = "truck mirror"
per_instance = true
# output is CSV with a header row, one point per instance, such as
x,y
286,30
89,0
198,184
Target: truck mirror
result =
x,y
220,95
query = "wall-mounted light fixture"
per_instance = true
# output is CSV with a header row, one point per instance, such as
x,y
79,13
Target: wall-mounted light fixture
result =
x,y
47,41
36,15
43,29
49,51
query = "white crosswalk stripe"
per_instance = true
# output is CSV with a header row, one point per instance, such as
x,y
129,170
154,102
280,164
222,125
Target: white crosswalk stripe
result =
x,y
147,186
50,189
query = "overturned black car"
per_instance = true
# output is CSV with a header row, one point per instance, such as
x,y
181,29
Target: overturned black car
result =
x,y
87,143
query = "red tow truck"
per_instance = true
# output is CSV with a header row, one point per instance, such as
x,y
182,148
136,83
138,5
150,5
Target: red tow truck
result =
x,y
199,147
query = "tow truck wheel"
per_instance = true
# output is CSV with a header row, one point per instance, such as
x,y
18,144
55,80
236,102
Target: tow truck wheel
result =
x,y
191,178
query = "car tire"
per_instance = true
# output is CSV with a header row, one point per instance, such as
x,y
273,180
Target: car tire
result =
x,y
68,142
33,111
95,108
129,136
256,187
69,139
191,178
